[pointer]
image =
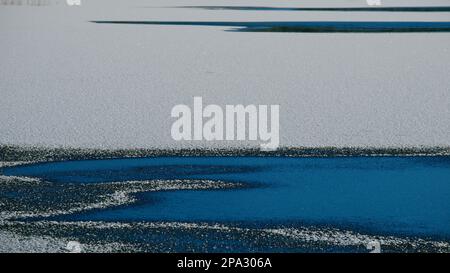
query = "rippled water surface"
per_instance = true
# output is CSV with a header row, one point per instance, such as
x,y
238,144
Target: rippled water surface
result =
x,y
388,195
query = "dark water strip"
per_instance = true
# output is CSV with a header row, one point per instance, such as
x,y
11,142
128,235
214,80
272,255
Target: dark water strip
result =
x,y
345,9
307,26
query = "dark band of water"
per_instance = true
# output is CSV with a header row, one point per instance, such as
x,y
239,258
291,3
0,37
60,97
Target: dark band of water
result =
x,y
309,26
343,9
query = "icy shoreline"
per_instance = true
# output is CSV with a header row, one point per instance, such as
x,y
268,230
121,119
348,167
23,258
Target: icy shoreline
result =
x,y
12,155
121,193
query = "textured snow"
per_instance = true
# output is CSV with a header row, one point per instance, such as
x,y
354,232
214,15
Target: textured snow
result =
x,y
304,235
13,163
14,243
17,179
66,81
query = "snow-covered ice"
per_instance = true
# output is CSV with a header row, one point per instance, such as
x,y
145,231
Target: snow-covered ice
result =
x,y
67,81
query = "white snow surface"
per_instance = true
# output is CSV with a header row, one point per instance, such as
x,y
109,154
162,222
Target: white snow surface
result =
x,y
65,81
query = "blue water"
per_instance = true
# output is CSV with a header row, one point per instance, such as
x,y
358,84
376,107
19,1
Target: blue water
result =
x,y
388,195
